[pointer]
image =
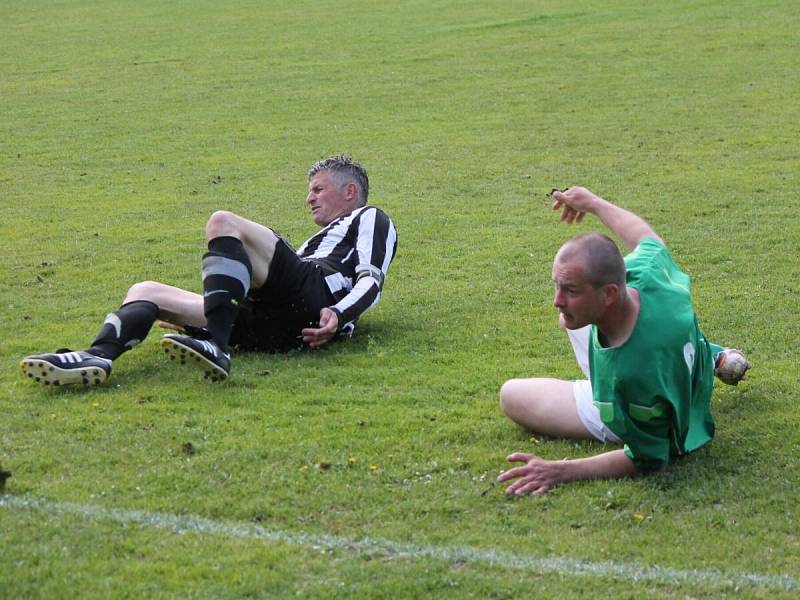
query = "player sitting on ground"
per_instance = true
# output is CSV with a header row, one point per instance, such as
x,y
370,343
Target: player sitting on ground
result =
x,y
259,294
650,370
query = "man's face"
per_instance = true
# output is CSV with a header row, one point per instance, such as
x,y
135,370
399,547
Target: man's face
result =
x,y
327,201
578,302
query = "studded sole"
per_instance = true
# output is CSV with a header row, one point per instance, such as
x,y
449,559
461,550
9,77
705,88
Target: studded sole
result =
x,y
184,355
47,373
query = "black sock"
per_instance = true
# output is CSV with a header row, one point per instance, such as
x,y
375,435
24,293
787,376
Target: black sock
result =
x,y
125,328
226,280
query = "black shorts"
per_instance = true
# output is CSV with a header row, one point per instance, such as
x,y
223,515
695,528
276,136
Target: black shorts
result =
x,y
271,317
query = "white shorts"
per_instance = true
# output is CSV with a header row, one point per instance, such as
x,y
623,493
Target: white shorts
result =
x,y
582,389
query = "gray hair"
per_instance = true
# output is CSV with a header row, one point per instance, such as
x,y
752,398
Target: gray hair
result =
x,y
344,170
600,255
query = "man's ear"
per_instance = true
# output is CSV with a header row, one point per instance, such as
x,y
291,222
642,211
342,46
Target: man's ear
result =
x,y
611,291
351,191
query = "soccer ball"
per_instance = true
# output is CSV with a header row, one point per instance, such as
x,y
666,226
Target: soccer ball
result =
x,y
731,366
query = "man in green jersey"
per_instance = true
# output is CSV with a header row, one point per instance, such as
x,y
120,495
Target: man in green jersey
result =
x,y
650,370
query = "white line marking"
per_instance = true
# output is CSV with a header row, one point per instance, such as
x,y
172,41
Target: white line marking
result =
x,y
632,572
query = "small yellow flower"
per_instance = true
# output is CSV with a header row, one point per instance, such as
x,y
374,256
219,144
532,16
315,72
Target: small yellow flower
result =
x,y
95,404
638,516
53,416
351,461
533,440
304,467
373,468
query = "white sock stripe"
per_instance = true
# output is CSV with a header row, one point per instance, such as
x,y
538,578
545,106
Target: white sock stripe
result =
x,y
227,267
631,572
113,320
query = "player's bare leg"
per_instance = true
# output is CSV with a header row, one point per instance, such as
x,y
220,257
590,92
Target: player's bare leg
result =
x,y
543,405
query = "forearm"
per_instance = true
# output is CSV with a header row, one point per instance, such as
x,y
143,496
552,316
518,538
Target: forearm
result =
x,y
627,226
609,465
364,295
538,476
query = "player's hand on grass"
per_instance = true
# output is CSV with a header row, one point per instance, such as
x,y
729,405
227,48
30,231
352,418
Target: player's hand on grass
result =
x,y
536,477
328,326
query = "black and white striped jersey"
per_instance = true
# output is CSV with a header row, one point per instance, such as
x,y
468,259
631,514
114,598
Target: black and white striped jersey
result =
x,y
354,252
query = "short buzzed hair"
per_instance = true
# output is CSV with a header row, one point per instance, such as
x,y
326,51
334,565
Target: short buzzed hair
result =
x,y
344,170
603,261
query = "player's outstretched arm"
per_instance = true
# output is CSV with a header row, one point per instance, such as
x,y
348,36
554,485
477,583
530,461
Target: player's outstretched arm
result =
x,y
538,476
574,202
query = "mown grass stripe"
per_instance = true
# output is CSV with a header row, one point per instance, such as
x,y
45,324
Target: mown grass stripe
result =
x,y
367,547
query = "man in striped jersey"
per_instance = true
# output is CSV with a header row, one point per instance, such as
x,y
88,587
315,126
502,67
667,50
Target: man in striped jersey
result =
x,y
258,293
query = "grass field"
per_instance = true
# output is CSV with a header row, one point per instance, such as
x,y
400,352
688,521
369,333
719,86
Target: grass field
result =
x,y
366,469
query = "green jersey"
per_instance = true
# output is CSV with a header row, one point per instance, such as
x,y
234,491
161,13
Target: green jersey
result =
x,y
654,391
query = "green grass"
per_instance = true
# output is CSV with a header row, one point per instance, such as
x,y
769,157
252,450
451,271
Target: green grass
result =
x,y
125,124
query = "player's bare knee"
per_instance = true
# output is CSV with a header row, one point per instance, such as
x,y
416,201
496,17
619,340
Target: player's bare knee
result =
x,y
221,223
510,397
143,290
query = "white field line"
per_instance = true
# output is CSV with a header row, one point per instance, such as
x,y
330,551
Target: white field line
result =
x,y
631,572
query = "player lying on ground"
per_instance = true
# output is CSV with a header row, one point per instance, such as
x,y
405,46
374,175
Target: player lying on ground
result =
x,y
649,368
259,294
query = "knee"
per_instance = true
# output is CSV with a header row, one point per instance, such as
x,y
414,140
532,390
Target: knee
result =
x,y
221,223
143,290
524,401
510,397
